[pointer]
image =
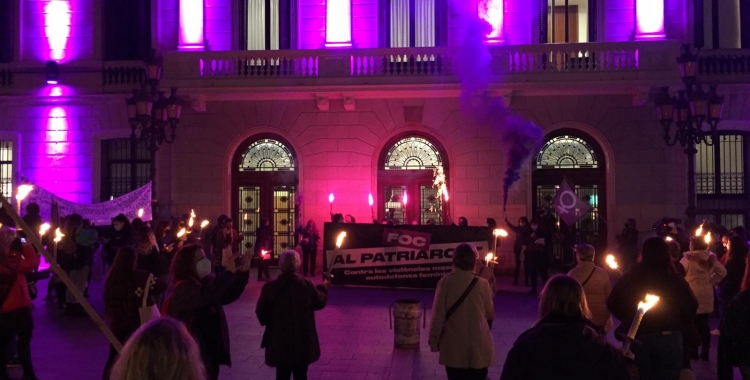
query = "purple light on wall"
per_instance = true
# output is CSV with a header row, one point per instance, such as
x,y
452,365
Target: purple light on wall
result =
x,y
338,23
57,20
649,16
492,11
56,135
191,25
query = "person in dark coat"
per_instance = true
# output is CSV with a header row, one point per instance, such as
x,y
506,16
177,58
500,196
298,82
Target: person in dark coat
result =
x,y
286,308
564,344
197,300
123,296
308,239
734,334
659,354
523,233
628,242
119,235
263,248
735,264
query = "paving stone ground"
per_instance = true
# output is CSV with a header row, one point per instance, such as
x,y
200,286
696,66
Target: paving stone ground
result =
x,y
356,341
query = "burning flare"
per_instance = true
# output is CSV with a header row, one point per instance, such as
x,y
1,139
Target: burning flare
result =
x,y
340,239
611,261
204,223
707,238
500,232
23,191
370,200
668,239
406,198
651,301
43,229
489,257
58,236
330,198
181,233
140,213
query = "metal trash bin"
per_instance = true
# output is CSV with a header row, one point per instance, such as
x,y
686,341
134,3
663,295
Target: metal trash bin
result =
x,y
404,320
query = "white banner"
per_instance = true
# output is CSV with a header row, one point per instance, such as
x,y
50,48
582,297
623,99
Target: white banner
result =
x,y
387,256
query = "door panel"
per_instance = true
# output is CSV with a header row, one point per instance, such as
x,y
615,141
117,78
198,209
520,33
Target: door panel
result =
x,y
284,218
430,206
393,207
249,212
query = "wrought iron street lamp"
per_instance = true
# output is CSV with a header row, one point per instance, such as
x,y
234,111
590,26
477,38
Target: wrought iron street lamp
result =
x,y
153,118
695,115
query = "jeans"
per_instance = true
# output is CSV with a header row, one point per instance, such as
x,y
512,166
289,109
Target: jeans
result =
x,y
285,373
466,373
308,260
659,356
16,323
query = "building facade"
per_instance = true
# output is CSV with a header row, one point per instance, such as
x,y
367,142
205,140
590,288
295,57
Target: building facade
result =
x,y
289,101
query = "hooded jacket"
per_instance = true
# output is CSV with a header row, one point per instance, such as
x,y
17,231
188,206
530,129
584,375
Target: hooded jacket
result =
x,y
702,272
18,297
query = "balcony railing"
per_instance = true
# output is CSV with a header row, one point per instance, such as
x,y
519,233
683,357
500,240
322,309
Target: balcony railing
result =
x,y
508,62
724,62
123,73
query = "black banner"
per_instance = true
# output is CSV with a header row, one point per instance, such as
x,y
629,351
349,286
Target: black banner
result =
x,y
400,256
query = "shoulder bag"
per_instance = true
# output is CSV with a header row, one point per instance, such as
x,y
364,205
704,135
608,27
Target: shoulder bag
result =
x,y
455,306
148,313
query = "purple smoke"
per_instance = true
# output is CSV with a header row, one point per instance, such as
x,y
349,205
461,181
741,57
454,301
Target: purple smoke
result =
x,y
519,138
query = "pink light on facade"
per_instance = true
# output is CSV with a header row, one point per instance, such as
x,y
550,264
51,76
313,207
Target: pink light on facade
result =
x,y
649,20
56,135
57,20
338,23
492,11
191,25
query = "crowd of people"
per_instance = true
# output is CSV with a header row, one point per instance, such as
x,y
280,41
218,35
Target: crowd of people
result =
x,y
166,285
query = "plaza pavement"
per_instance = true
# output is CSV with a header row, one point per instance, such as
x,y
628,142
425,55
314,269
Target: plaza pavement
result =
x,y
356,341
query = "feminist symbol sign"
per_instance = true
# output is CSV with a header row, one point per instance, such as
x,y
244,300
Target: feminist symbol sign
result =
x,y
568,205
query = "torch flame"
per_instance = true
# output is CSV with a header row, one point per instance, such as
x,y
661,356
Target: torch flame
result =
x,y
651,300
43,229
140,213
340,239
181,233
489,257
204,223
445,194
500,232
707,238
264,254
668,239
191,222
192,213
611,261
406,198
330,198
23,191
699,231
370,200
58,236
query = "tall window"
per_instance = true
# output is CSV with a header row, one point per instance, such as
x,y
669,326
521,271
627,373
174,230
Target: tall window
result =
x,y
127,29
6,30
408,167
6,168
265,24
568,21
264,182
414,23
720,168
126,166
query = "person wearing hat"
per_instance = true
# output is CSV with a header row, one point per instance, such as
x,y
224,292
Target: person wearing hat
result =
x,y
596,285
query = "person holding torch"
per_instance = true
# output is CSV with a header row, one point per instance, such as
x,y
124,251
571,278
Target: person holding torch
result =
x,y
596,285
658,353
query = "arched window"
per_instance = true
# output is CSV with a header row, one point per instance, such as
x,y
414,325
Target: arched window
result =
x,y
571,154
408,166
264,186
266,155
412,153
566,152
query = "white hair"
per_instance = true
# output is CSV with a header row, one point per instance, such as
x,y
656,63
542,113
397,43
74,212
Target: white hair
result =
x,y
289,261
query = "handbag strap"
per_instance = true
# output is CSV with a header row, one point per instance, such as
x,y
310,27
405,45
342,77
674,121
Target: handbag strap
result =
x,y
144,302
588,278
461,299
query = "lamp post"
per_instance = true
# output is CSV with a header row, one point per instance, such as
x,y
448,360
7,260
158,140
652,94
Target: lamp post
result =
x,y
695,115
153,118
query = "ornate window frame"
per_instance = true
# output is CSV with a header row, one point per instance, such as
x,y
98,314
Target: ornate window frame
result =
x,y
410,150
267,155
566,152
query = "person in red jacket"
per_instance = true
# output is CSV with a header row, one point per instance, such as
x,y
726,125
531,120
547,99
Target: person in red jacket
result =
x,y
15,313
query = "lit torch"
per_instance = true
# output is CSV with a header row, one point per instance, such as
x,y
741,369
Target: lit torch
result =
x,y
643,307
339,241
265,255
371,201
21,193
707,238
330,200
699,231
611,262
668,239
405,200
498,232
181,233
43,229
140,213
58,237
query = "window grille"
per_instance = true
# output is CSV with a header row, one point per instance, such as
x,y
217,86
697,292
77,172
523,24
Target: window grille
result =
x,y
126,166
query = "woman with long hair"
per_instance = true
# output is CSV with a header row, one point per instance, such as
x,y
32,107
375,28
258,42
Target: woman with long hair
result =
x,y
659,356
308,241
160,350
735,264
564,344
120,234
197,300
123,295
